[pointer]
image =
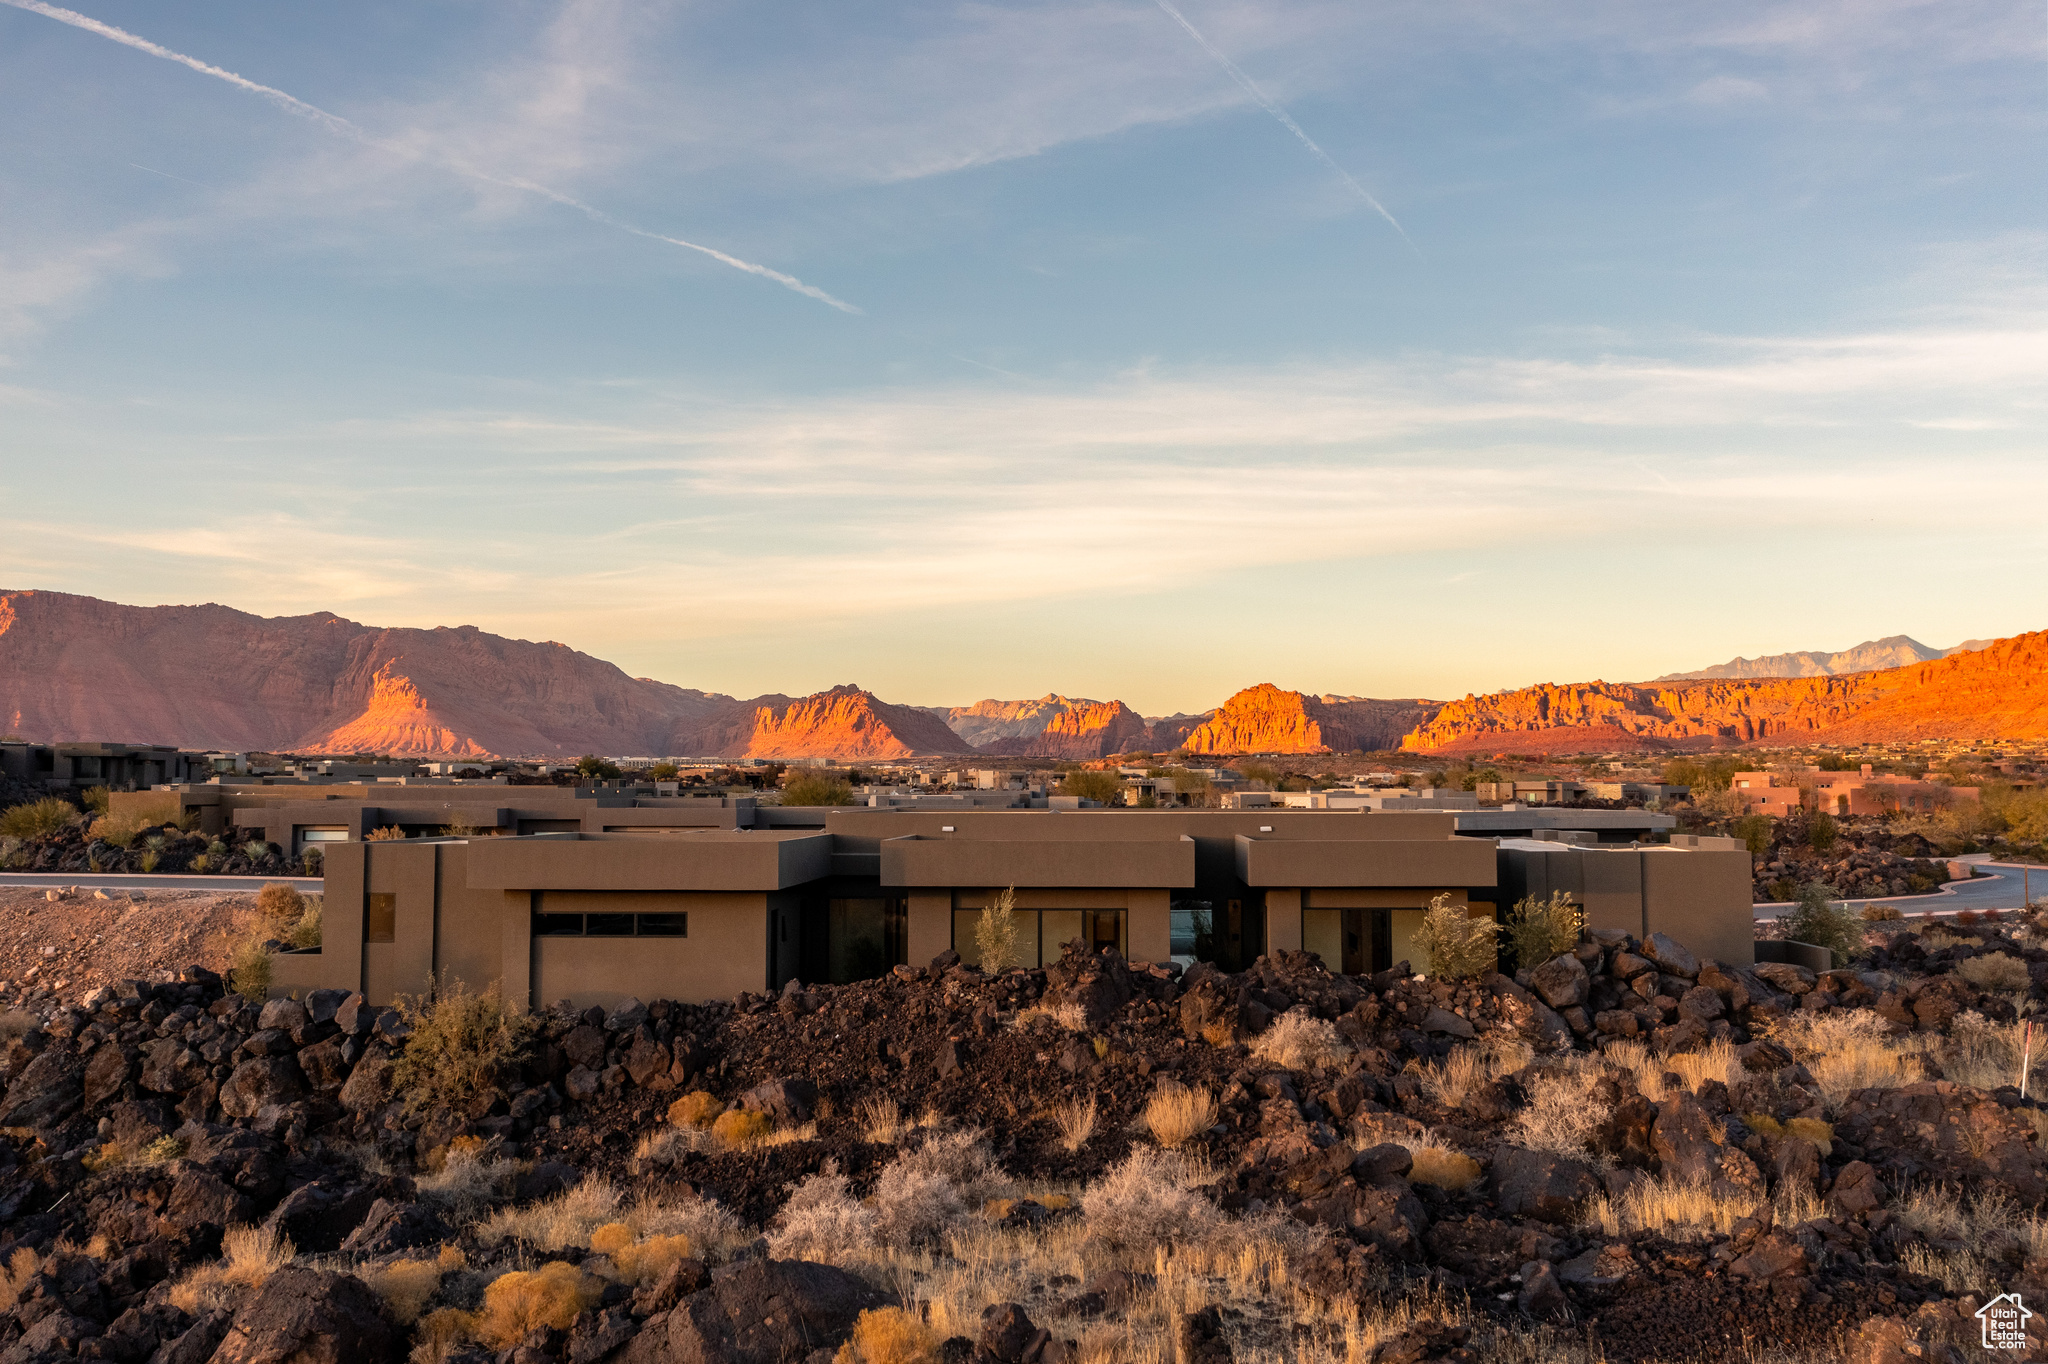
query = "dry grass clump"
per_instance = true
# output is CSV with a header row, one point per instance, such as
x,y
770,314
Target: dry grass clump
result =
x,y
249,968
1472,1066
1846,1050
1561,1113
116,831
1969,1241
390,833
1995,971
1176,1112
742,1127
697,1109
1981,1053
1882,914
889,1335
1821,1134
462,1046
1542,929
929,1188
113,1155
1715,1061
1678,1209
1151,1200
1443,1167
14,1278
1454,944
822,1221
1298,1040
248,1257
516,1303
1076,1121
1067,1016
881,1120
280,903
636,1261
568,1219
467,1186
995,933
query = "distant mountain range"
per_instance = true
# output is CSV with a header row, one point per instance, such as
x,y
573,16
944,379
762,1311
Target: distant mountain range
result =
x,y
1893,651
211,677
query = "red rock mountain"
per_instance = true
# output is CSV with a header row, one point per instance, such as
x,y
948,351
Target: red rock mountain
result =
x,y
1083,731
210,677
1997,692
1265,719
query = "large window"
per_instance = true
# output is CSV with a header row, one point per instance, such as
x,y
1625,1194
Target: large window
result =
x,y
676,925
1042,934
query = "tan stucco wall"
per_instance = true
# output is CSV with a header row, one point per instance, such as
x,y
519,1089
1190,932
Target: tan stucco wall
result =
x,y
726,951
1703,899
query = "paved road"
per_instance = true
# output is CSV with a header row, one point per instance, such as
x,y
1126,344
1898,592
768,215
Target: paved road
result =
x,y
2004,887
117,881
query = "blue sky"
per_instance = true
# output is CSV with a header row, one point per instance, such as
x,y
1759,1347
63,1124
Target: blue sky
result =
x,y
1715,329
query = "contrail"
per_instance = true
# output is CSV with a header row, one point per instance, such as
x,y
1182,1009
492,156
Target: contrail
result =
x,y
336,124
1270,105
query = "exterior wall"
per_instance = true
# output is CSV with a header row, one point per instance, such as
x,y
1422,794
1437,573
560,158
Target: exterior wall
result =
x,y
1703,900
1149,924
931,925
726,950
1264,861
1283,921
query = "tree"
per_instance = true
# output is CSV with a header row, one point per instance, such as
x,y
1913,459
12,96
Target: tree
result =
x,y
1821,831
1193,785
1818,920
1093,784
591,765
664,771
1265,773
1755,833
811,786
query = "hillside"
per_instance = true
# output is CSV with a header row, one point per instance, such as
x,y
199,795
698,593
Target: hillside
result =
x,y
1083,731
990,721
1893,651
211,677
1998,692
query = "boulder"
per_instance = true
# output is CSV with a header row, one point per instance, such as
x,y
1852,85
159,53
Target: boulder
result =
x,y
1541,1295
1784,976
1672,956
1445,1023
584,1046
260,1081
628,1014
323,1005
1541,1184
1701,1004
647,1060
762,1312
369,1084
1562,981
1199,1338
1856,1190
310,1316
1096,983
197,1342
1209,1013
110,1067
396,1225
325,1067
1773,1254
47,1090
282,1015
170,1067
201,1198
1008,1334
787,1100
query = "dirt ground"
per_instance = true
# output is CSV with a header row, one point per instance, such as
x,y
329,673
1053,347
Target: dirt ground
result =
x,y
58,949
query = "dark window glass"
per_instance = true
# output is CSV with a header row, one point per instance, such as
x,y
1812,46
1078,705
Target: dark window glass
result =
x,y
558,925
380,918
608,925
664,925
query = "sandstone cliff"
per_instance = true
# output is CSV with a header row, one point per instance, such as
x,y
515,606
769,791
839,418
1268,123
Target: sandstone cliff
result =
x,y
986,722
1085,730
845,722
1998,692
1266,719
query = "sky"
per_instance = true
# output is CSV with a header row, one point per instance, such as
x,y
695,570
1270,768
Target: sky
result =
x,y
1119,348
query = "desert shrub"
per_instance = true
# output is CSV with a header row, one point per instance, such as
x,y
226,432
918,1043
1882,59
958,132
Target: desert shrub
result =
x,y
1176,1112
462,1047
1149,1201
305,933
881,1119
1819,921
931,1186
516,1303
390,833
38,818
889,1335
566,1220
1093,784
697,1109
821,1221
248,1257
815,788
1561,1113
1978,1052
312,859
460,826
1472,1066
638,1260
741,1127
1994,971
1821,830
1298,1040
1076,1122
1542,929
249,968
407,1286
467,1186
1846,1050
1456,945
1445,1168
1755,833
995,933
280,903
256,850
116,831
97,800
1882,914
1067,1015
1821,1134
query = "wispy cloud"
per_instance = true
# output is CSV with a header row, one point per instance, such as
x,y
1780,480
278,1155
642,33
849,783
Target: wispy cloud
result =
x,y
336,124
1273,107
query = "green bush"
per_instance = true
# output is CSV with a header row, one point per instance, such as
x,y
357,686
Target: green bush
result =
x,y
1093,784
249,969
305,934
463,1048
1542,929
1823,923
1456,945
1755,833
591,765
1821,831
812,787
38,819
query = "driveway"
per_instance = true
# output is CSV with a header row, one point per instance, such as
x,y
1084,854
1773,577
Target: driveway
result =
x,y
1998,885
